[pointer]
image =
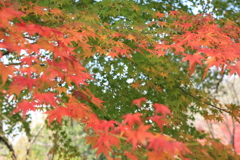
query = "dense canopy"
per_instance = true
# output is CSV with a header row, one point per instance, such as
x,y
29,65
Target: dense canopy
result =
x,y
133,73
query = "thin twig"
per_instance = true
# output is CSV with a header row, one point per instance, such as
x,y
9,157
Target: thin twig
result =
x,y
34,139
218,83
210,127
38,132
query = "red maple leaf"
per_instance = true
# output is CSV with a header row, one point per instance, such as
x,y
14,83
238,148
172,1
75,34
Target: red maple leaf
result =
x,y
160,108
7,14
132,118
78,79
131,156
23,81
104,143
47,98
6,46
120,50
107,125
139,101
234,69
186,25
141,134
159,120
173,13
58,113
24,106
29,60
162,143
28,71
157,142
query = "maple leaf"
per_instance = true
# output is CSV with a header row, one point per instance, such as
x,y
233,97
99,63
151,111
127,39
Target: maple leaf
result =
x,y
131,37
157,143
24,82
107,125
113,54
7,14
121,51
15,89
162,24
158,119
160,108
104,143
40,11
141,134
161,143
47,98
6,46
58,113
77,79
116,35
139,101
193,59
79,111
160,15
159,155
91,140
110,158
57,12
98,102
186,25
173,13
136,8
29,60
131,156
132,118
24,106
5,72
234,69
135,85
80,95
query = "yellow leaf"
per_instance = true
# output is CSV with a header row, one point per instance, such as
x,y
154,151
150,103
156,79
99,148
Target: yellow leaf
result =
x,y
131,37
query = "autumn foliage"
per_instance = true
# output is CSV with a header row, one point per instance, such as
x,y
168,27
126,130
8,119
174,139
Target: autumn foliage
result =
x,y
46,65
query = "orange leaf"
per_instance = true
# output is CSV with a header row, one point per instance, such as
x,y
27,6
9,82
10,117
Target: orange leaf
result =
x,y
160,15
5,71
193,60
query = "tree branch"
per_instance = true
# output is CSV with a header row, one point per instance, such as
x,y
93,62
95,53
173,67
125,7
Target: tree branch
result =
x,y
34,139
211,105
9,146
